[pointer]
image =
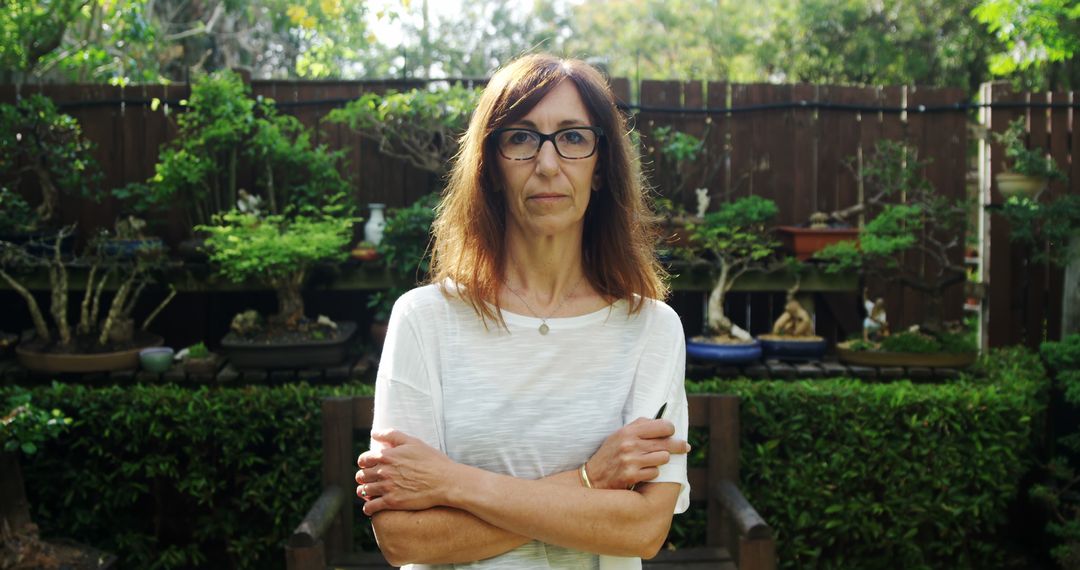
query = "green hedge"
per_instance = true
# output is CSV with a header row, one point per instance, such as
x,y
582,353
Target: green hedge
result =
x,y
896,475
850,474
170,477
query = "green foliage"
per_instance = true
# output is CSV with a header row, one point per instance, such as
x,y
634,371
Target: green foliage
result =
x,y
46,150
16,215
881,476
1055,222
198,350
404,250
910,342
25,427
1032,34
223,474
1058,492
223,130
418,126
274,249
738,232
1032,162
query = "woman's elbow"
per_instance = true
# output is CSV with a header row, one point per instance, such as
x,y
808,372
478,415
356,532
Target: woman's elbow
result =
x,y
653,539
395,547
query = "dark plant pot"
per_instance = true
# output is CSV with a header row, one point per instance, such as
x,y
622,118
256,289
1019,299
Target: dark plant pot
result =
x,y
791,350
191,249
243,353
920,359
202,366
804,242
130,248
33,358
724,353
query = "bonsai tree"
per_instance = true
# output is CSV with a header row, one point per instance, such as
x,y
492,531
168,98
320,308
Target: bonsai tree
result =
x,y
729,242
418,126
278,251
43,149
679,153
101,324
910,218
224,130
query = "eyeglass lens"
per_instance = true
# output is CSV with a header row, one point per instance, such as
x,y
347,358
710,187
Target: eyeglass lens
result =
x,y
523,144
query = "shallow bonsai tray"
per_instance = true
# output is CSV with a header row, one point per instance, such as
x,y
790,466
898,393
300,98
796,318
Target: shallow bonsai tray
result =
x,y
54,363
302,354
885,358
789,350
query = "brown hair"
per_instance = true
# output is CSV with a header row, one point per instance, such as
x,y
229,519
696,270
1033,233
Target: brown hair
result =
x,y
617,245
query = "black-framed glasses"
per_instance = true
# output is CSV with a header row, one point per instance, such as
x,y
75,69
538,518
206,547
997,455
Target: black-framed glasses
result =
x,y
524,144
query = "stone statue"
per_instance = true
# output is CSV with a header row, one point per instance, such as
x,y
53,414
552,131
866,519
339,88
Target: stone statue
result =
x,y
794,321
702,201
876,323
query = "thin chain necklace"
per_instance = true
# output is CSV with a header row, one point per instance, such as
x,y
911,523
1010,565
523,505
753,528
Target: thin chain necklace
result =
x,y
544,328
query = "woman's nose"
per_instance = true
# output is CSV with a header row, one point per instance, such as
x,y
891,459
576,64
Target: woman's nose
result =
x,y
547,159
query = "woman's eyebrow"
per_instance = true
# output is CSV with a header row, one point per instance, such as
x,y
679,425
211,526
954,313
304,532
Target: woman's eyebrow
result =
x,y
562,124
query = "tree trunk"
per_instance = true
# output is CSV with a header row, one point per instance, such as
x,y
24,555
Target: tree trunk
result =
x,y
290,304
40,327
14,508
717,323
1070,313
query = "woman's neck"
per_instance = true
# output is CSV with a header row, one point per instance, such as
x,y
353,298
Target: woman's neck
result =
x,y
547,270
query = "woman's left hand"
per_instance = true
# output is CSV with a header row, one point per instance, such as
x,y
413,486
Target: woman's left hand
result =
x,y
405,475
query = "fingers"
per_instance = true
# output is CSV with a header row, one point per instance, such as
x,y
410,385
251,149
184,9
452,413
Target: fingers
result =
x,y
392,437
370,459
652,429
655,459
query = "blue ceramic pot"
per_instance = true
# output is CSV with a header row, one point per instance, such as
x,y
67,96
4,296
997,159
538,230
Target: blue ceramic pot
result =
x,y
793,350
724,353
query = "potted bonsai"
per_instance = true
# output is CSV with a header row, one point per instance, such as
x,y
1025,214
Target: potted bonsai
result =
x,y
1031,169
45,156
24,428
105,337
822,231
678,169
792,336
198,360
279,251
728,243
923,223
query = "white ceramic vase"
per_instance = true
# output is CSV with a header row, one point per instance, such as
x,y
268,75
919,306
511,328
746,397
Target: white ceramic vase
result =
x,y
373,228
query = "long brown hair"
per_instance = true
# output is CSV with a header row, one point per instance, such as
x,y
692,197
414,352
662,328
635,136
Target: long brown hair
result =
x,y
617,245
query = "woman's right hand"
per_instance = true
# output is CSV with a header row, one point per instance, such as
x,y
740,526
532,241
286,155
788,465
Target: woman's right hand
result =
x,y
634,454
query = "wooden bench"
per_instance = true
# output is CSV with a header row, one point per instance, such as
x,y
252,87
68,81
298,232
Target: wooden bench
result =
x,y
736,536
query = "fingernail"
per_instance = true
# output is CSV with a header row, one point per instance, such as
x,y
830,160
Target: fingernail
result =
x,y
688,448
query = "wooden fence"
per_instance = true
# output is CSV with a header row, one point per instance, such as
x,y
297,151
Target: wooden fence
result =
x,y
791,143
1024,304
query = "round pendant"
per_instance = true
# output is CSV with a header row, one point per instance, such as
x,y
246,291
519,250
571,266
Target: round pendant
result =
x,y
544,328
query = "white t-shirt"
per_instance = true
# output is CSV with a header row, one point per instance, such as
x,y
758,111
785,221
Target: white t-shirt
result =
x,y
528,405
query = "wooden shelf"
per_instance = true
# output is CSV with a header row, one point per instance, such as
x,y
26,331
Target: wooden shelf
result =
x,y
197,278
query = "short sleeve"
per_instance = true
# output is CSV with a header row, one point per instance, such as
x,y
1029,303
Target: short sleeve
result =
x,y
407,397
659,380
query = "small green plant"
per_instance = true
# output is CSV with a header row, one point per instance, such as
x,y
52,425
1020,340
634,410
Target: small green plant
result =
x,y
278,251
198,350
908,341
404,250
1055,222
419,126
1027,161
679,168
16,215
24,427
729,242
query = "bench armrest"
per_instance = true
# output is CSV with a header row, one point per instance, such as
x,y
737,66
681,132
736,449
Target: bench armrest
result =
x,y
749,523
319,518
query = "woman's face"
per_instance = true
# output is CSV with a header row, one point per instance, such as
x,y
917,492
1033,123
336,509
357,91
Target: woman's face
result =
x,y
547,194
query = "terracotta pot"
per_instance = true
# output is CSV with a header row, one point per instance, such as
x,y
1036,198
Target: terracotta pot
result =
x,y
1013,184
36,360
803,242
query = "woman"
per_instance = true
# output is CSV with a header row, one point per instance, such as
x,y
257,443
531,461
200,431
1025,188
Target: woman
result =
x,y
504,398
